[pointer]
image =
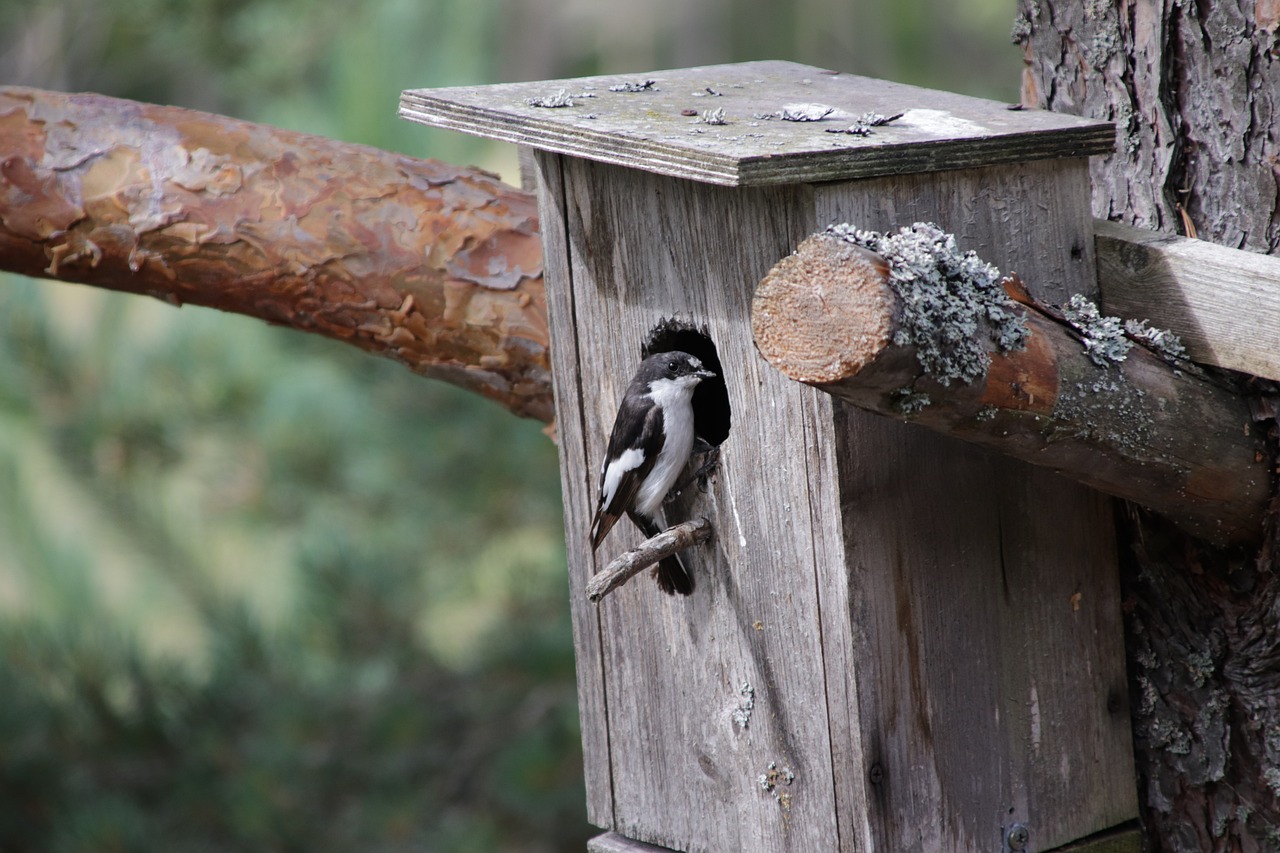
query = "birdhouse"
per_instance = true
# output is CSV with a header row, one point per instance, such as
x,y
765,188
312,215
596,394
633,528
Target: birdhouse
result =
x,y
896,641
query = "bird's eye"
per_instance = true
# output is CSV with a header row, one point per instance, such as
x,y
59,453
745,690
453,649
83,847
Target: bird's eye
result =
x,y
673,365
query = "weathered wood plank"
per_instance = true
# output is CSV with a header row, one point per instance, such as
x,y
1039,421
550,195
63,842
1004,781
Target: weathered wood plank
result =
x,y
575,482
1223,303
988,689
705,695
1141,429
653,129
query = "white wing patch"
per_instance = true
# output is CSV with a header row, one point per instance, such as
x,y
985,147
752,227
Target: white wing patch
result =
x,y
628,461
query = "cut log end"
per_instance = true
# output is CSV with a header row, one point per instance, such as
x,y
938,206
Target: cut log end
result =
x,y
825,312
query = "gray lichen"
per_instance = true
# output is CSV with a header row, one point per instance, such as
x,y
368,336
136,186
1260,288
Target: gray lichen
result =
x,y
773,780
804,112
1200,665
716,116
950,300
1104,339
1272,777
741,715
562,98
628,86
1107,340
1127,424
1272,738
908,401
1163,342
863,124
1101,48
1022,29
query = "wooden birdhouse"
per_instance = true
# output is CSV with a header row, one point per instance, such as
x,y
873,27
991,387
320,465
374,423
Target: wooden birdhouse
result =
x,y
897,641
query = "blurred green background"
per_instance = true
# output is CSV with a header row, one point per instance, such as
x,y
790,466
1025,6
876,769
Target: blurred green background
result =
x,y
260,591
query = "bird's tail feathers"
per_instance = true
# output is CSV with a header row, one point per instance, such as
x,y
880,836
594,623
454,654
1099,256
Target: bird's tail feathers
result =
x,y
670,573
672,577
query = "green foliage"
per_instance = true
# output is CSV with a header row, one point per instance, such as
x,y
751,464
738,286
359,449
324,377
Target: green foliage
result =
x,y
263,593
272,750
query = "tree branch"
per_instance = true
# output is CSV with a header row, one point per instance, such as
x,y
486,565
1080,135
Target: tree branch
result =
x,y
1163,437
435,266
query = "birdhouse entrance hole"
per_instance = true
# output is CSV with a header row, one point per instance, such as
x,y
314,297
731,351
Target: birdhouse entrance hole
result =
x,y
711,414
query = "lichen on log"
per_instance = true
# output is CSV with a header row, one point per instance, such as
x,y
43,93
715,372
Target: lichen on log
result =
x,y
1011,375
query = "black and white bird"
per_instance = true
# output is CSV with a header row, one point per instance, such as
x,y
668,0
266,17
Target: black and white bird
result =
x,y
652,438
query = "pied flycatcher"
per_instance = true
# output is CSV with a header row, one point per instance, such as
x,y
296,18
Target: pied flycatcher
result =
x,y
650,445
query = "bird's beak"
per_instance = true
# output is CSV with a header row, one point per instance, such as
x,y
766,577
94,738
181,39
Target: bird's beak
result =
x,y
705,374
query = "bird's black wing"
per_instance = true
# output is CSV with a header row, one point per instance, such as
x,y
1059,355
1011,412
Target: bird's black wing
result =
x,y
638,427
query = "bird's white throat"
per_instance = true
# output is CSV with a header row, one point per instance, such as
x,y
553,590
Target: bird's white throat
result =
x,y
674,396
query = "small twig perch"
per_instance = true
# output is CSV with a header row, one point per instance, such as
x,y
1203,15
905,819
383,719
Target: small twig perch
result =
x,y
647,554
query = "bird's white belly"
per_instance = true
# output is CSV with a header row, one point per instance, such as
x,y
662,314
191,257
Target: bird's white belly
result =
x,y
678,425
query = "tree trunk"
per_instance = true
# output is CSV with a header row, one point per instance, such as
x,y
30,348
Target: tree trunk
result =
x,y
1192,89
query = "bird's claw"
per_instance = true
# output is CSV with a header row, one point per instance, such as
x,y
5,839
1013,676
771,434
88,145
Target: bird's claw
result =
x,y
702,476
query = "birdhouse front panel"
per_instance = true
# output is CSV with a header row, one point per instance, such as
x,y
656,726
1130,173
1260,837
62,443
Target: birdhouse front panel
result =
x,y
718,697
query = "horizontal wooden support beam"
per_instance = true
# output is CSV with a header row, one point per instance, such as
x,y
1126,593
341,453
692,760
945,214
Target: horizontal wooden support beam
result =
x,y
1159,434
1224,303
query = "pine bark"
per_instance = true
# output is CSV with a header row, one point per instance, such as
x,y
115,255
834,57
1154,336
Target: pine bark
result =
x,y
1193,90
436,266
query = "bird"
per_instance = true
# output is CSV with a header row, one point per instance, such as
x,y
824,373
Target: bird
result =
x,y
653,436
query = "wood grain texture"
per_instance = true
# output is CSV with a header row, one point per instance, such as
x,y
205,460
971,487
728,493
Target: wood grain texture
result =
x,y
702,696
983,591
650,129
577,486
1223,303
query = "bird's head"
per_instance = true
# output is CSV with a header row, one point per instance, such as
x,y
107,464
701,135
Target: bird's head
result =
x,y
678,367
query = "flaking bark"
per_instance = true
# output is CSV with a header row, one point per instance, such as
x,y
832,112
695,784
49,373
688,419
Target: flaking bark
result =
x,y
1192,90
436,266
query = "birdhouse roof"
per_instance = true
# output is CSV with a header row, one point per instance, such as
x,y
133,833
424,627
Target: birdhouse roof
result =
x,y
758,123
